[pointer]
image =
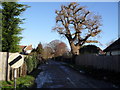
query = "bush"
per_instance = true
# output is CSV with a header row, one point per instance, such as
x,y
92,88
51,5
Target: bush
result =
x,y
35,60
32,62
29,63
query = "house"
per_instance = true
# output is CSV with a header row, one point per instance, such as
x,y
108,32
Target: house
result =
x,y
113,49
26,49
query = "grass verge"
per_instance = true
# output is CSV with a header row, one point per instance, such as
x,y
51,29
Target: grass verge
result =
x,y
27,81
21,82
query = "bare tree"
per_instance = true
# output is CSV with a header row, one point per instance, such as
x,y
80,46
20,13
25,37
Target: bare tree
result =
x,y
58,47
47,53
77,24
61,49
53,44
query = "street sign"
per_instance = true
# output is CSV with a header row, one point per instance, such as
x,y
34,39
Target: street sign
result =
x,y
15,60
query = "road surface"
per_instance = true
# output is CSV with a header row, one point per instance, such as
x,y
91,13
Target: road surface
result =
x,y
56,75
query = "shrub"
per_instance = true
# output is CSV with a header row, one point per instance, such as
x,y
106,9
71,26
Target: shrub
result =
x,y
35,61
29,63
32,62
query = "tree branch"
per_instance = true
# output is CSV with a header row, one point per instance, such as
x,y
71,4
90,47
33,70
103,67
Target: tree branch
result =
x,y
91,41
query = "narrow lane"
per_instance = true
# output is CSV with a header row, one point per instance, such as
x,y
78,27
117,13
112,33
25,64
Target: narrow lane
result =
x,y
56,75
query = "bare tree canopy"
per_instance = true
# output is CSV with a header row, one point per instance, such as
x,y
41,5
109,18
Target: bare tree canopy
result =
x,y
77,24
47,53
58,47
54,49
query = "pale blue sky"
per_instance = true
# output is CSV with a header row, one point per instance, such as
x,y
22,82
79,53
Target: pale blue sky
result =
x,y
40,19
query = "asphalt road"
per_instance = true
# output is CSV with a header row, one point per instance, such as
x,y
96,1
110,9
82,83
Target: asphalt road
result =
x,y
56,75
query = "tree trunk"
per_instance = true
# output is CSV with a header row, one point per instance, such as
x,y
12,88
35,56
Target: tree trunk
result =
x,y
75,52
75,49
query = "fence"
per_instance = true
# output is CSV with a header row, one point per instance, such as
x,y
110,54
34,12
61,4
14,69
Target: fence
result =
x,y
111,63
6,72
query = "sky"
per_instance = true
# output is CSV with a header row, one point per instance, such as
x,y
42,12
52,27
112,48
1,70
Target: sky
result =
x,y
62,0
40,19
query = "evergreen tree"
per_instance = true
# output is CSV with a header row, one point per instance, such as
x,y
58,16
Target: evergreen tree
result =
x,y
11,31
39,48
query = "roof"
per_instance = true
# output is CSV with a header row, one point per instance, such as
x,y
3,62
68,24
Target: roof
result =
x,y
28,47
114,46
22,47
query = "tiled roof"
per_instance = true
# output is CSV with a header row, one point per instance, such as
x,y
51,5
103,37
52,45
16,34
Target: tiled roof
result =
x,y
22,47
28,47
